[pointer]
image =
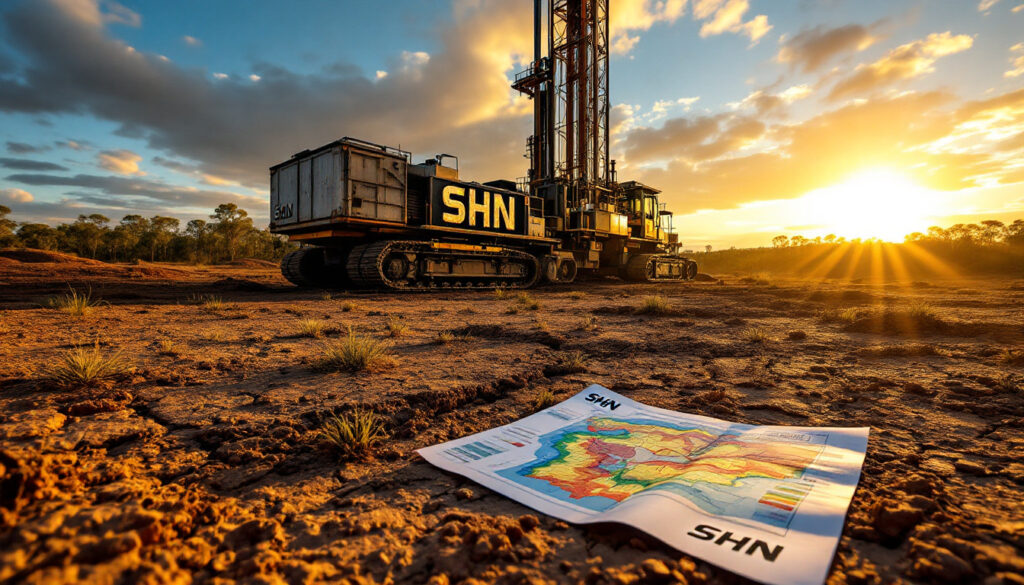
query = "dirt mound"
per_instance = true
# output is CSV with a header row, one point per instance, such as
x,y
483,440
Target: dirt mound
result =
x,y
840,296
31,255
254,263
147,270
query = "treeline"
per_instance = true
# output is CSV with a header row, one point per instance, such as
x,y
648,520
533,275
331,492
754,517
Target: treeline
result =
x,y
230,234
988,233
987,248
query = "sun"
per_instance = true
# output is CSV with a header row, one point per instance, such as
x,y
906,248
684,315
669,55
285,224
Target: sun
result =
x,y
875,203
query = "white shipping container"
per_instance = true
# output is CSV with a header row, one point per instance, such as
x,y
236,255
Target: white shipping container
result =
x,y
344,179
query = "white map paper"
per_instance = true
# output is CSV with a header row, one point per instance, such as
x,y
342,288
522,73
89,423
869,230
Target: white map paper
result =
x,y
766,502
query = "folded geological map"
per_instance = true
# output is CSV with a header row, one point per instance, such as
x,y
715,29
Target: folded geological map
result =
x,y
766,502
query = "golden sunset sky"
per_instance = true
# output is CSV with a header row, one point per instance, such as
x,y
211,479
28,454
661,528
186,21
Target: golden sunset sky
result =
x,y
754,117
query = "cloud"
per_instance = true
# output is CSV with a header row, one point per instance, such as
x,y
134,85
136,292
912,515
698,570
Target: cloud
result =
x,y
120,14
152,192
986,5
1017,8
220,75
622,119
1016,60
23,148
74,144
21,164
192,41
721,16
693,140
628,16
254,78
764,102
944,145
13,195
236,129
122,162
904,62
812,48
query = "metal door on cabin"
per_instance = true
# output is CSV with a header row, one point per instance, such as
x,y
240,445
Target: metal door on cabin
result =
x,y
376,186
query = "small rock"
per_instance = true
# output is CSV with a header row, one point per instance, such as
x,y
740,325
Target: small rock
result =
x,y
941,565
915,388
655,571
893,519
464,493
254,532
528,522
970,468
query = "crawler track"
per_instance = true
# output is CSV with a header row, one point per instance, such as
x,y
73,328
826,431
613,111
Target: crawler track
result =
x,y
413,265
660,267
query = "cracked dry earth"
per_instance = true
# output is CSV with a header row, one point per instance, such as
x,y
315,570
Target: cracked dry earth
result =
x,y
204,465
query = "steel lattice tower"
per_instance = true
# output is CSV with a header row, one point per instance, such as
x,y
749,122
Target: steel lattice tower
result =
x,y
569,85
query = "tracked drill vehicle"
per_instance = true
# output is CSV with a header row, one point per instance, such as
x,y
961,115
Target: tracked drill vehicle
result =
x,y
371,218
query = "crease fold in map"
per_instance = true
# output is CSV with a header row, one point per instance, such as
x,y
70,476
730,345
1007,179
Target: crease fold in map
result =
x,y
766,502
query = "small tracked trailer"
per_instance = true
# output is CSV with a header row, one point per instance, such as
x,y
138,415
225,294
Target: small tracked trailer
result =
x,y
370,218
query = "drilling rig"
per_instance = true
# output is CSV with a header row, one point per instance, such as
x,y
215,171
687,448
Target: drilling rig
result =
x,y
370,218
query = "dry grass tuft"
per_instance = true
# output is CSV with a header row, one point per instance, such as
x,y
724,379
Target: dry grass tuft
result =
x,y
500,293
168,347
312,328
215,336
576,294
757,335
653,305
326,296
348,306
912,320
395,326
920,310
354,433
523,302
575,361
448,337
87,366
899,350
588,323
761,278
544,399
570,362
527,302
833,315
74,303
357,353
212,303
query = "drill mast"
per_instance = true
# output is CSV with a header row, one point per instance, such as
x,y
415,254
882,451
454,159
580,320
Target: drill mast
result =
x,y
568,81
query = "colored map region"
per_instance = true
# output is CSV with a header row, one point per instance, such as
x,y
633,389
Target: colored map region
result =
x,y
605,460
